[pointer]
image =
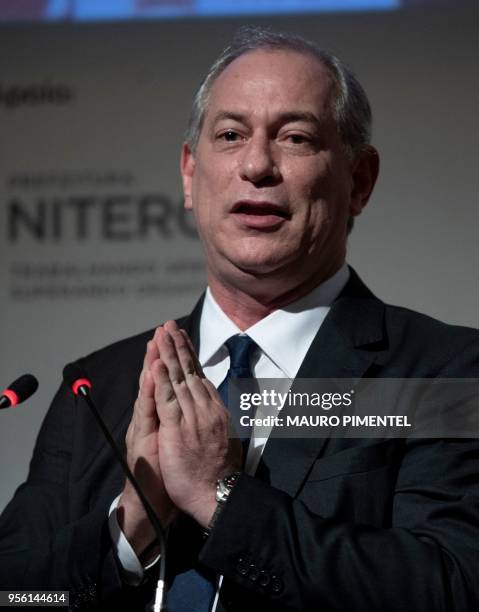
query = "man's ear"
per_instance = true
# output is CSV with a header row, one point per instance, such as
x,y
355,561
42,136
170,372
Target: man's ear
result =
x,y
187,165
364,174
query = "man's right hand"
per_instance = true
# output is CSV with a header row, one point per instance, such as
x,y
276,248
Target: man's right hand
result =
x,y
142,457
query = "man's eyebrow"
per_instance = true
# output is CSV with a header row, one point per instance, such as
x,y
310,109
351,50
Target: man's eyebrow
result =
x,y
304,116
222,115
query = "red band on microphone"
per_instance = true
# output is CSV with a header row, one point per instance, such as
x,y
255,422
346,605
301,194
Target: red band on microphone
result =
x,y
80,382
12,396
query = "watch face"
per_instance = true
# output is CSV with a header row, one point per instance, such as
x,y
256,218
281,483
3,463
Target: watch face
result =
x,y
224,486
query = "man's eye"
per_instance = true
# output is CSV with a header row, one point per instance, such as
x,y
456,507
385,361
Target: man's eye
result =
x,y
298,138
300,142
229,136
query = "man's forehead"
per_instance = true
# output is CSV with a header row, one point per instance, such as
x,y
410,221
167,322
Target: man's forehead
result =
x,y
270,75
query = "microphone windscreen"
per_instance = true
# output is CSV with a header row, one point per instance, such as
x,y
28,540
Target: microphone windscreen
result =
x,y
76,378
73,372
24,387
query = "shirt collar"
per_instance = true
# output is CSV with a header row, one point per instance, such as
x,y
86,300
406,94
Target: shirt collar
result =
x,y
299,322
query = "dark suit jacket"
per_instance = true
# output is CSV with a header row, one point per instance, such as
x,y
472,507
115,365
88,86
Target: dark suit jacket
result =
x,y
334,525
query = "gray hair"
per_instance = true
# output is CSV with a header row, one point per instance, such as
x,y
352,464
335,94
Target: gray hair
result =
x,y
351,108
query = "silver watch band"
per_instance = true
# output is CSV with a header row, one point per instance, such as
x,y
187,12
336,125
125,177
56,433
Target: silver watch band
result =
x,y
224,486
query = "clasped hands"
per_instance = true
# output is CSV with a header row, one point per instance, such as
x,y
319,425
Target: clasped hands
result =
x,y
178,442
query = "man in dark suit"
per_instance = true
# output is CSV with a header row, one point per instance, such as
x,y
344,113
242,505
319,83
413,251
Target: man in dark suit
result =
x,y
277,163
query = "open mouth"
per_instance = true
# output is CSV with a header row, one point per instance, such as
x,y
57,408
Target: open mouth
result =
x,y
260,216
260,209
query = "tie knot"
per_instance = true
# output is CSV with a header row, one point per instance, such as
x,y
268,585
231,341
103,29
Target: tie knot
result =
x,y
240,348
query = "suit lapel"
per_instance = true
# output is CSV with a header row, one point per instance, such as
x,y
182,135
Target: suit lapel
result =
x,y
348,344
191,323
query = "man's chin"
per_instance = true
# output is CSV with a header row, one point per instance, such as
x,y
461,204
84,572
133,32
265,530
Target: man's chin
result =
x,y
259,267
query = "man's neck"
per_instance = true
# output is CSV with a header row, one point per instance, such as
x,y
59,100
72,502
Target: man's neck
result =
x,y
245,308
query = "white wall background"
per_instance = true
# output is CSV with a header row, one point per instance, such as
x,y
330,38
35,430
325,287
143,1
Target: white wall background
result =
x,y
415,244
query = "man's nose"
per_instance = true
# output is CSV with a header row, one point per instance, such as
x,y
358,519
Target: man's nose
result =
x,y
258,163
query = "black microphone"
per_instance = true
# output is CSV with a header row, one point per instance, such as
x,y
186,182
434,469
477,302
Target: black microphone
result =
x,y
19,391
78,381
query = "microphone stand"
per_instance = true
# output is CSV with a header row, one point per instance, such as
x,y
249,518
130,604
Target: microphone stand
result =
x,y
159,603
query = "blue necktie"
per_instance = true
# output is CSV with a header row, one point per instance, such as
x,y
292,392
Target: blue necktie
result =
x,y
194,591
240,349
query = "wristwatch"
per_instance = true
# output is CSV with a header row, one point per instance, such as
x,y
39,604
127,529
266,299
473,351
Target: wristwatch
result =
x,y
224,486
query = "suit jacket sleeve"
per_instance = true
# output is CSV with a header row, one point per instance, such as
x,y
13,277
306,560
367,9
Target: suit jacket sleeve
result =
x,y
42,545
54,533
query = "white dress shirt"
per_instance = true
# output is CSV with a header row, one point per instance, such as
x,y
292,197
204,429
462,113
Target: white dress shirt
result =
x,y
278,355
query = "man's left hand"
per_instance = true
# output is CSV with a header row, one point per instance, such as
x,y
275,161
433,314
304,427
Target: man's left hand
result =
x,y
195,448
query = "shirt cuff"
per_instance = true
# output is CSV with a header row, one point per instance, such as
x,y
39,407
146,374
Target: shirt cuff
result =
x,y
132,570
